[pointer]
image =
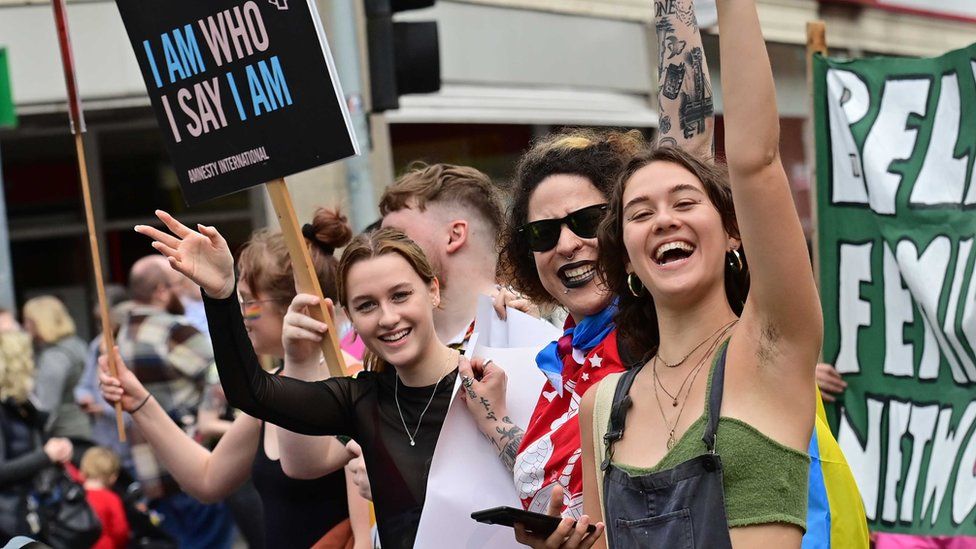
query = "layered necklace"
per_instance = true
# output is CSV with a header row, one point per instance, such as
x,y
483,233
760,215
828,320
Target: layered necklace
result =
x,y
452,357
685,387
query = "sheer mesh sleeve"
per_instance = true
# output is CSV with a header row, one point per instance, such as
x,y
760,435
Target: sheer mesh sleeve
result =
x,y
309,408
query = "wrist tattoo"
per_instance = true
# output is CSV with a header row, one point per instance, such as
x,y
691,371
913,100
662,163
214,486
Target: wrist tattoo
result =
x,y
511,440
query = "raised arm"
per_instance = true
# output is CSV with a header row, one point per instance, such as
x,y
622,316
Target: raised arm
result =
x,y
783,296
684,88
308,408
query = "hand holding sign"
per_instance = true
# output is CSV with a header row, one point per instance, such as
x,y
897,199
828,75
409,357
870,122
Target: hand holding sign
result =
x,y
203,257
301,334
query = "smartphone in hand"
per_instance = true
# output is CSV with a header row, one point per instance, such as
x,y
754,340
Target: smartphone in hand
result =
x,y
535,523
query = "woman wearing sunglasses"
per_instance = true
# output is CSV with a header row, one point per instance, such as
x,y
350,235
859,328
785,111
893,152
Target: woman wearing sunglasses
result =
x,y
550,254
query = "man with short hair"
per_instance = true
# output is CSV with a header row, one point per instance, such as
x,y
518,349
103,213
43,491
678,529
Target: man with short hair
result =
x,y
454,214
170,357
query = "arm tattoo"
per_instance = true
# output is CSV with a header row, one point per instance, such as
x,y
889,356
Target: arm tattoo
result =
x,y
696,105
491,415
512,440
484,402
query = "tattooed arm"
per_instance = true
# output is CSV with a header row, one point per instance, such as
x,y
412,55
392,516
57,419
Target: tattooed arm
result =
x,y
485,396
684,89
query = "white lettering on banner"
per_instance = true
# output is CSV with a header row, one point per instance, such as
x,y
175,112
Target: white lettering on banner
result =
x,y
964,494
942,178
949,326
848,102
912,427
898,416
971,195
968,323
855,268
898,358
919,272
891,139
921,427
864,459
944,445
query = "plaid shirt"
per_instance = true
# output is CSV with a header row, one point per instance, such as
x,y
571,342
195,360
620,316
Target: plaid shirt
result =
x,y
171,358
168,355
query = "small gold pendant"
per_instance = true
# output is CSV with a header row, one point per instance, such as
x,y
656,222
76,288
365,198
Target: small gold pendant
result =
x,y
671,440
412,443
674,403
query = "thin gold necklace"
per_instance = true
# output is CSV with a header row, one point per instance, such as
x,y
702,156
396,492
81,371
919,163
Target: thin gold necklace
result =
x,y
396,398
672,427
691,352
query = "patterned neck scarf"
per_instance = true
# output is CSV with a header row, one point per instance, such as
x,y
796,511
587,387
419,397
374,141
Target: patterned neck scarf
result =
x,y
581,337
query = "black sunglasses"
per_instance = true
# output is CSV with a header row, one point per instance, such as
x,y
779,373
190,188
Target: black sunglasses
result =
x,y
543,235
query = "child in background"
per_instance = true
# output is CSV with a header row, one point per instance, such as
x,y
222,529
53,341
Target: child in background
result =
x,y
100,467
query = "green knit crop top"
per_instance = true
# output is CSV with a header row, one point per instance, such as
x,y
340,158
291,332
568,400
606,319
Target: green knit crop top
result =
x,y
764,481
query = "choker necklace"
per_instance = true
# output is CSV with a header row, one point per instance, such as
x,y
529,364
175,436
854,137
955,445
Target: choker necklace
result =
x,y
396,385
691,352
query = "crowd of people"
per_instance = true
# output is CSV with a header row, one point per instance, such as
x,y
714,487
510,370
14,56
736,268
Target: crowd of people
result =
x,y
679,402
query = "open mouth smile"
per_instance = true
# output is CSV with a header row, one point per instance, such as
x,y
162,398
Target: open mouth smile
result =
x,y
673,252
394,337
578,274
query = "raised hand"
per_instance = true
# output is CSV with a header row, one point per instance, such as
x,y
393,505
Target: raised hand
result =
x,y
569,535
125,388
202,255
505,297
301,334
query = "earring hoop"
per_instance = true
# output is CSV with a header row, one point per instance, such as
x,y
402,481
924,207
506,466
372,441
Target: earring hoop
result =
x,y
635,287
734,260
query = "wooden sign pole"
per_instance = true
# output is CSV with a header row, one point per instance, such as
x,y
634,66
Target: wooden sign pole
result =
x,y
78,128
308,281
108,338
816,43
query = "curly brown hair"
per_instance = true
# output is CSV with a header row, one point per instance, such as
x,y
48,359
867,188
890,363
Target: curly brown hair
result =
x,y
636,318
597,155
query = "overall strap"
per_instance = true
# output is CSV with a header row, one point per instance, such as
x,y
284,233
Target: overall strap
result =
x,y
618,413
715,400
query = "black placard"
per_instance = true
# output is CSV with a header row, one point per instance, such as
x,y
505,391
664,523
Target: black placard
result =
x,y
244,91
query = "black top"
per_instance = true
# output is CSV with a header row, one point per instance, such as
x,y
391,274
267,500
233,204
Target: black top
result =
x,y
362,408
297,513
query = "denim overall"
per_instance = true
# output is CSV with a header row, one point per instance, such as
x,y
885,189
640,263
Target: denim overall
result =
x,y
679,508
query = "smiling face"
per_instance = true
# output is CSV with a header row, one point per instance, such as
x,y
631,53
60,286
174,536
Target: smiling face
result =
x,y
263,320
571,264
673,234
392,308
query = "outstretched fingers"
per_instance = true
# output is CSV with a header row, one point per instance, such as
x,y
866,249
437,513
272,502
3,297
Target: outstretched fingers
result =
x,y
173,224
159,236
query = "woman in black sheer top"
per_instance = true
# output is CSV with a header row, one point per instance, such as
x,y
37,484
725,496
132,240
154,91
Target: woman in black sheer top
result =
x,y
395,413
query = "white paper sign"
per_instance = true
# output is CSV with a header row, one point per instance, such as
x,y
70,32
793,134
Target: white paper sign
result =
x,y
465,473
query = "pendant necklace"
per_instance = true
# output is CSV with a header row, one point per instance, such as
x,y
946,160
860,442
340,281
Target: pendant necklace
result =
x,y
396,385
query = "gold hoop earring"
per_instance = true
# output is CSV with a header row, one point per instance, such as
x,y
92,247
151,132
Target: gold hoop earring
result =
x,y
635,287
734,260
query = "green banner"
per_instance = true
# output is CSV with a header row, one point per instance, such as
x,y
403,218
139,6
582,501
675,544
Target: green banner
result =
x,y
896,199
8,115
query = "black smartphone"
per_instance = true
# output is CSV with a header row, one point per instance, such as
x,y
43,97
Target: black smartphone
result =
x,y
536,523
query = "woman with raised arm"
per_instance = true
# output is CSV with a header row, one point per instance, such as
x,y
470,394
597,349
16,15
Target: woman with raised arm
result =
x,y
297,513
394,409
550,252
703,444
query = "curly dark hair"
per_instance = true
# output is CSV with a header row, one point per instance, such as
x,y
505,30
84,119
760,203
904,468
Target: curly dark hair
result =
x,y
636,318
599,156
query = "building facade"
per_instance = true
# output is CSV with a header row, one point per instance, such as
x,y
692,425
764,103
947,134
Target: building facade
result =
x,y
512,70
